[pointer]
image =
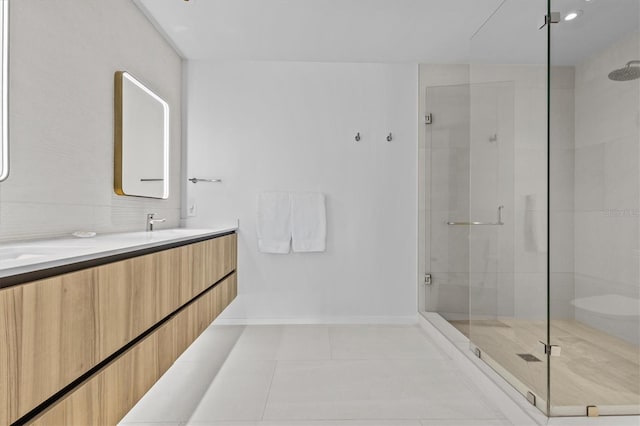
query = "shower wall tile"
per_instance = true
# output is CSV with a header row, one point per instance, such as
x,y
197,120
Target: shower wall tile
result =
x,y
606,247
562,241
450,292
506,238
506,295
530,296
606,110
483,246
450,179
602,63
607,180
563,78
530,119
561,295
524,76
562,119
589,238
530,179
589,178
621,174
449,244
562,179
483,294
443,75
530,242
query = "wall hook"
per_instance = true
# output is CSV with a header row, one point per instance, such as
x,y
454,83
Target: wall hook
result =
x,y
390,137
357,137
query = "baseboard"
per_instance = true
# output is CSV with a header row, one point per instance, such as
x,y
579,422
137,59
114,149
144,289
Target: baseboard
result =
x,y
379,320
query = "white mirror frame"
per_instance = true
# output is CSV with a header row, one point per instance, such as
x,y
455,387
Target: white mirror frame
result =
x,y
135,137
4,103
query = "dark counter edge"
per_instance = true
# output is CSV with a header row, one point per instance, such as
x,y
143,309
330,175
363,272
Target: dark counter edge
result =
x,y
40,274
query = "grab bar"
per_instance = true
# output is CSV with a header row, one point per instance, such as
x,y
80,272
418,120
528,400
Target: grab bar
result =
x,y
498,223
196,180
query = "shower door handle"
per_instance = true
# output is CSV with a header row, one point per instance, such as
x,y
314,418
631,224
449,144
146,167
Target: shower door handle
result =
x,y
498,223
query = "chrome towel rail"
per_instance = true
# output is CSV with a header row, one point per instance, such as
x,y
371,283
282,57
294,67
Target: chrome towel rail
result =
x,y
498,223
196,180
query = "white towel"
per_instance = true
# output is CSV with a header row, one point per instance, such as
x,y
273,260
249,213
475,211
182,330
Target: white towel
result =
x,y
274,222
308,222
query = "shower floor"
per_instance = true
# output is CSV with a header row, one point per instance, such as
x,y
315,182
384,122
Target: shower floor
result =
x,y
594,368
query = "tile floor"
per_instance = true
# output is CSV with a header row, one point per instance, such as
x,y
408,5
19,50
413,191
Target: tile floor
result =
x,y
315,375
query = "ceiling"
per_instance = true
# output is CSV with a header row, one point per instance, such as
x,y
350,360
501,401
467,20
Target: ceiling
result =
x,y
414,31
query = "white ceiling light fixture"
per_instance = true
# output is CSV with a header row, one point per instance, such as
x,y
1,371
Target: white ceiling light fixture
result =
x,y
572,15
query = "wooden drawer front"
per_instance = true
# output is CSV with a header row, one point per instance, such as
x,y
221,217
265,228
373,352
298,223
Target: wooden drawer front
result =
x,y
59,328
215,259
10,336
57,335
106,397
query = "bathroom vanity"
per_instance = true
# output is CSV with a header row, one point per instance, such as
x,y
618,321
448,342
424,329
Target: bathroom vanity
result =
x,y
88,327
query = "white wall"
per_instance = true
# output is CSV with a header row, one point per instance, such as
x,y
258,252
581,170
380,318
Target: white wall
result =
x,y
63,56
264,126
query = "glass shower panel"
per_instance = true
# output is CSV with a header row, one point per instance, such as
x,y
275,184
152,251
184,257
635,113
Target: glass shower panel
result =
x,y
508,196
448,139
595,208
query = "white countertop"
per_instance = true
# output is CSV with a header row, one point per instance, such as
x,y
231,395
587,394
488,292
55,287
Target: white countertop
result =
x,y
28,256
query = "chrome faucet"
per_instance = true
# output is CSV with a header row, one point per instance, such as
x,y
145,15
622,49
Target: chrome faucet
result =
x,y
151,221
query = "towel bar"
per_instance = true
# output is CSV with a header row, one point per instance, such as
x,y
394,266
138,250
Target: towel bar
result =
x,y
196,180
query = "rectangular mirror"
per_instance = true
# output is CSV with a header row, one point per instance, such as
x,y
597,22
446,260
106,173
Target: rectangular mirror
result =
x,y
4,87
141,140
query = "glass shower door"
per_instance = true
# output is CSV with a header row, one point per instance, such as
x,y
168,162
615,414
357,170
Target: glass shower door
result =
x,y
447,140
595,207
508,196
534,202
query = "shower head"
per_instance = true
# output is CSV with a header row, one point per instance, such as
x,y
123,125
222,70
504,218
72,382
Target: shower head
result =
x,y
627,73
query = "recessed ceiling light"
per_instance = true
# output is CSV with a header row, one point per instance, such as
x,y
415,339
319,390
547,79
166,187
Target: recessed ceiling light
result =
x,y
572,15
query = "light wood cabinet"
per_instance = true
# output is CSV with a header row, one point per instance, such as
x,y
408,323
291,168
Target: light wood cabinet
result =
x,y
57,329
130,376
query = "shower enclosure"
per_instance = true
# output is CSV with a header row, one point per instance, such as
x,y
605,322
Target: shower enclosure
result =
x,y
531,206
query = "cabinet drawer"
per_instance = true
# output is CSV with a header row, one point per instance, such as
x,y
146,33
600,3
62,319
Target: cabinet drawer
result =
x,y
108,395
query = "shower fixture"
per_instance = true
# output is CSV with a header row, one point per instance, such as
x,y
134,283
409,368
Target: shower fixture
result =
x,y
627,73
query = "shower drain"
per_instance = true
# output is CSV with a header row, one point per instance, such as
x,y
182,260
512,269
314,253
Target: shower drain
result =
x,y
529,357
